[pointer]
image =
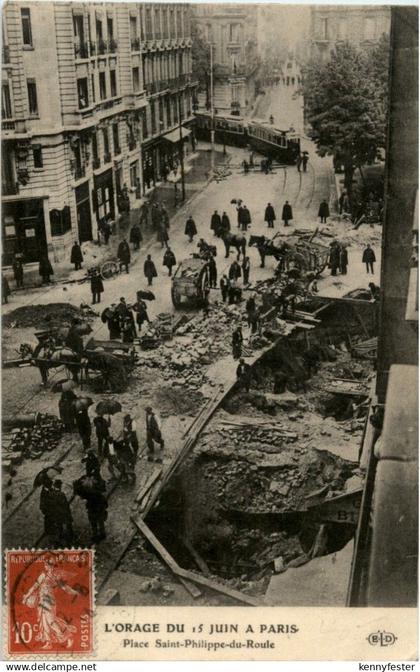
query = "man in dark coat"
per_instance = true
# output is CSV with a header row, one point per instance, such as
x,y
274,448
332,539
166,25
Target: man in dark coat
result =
x,y
225,223
224,287
324,211
245,218
76,256
212,272
46,504
344,260
5,289
234,271
102,433
305,159
124,255
153,435
261,247
84,427
135,236
243,374
246,267
45,269
96,287
237,340
111,318
128,327
334,261
18,271
169,260
149,270
190,229
270,216
141,313
66,410
62,520
216,223
368,258
96,508
287,214
239,215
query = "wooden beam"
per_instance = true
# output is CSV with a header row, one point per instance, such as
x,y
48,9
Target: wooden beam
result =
x,y
150,481
199,561
190,576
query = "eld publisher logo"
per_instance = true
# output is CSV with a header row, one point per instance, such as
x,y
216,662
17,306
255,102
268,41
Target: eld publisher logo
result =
x,y
382,638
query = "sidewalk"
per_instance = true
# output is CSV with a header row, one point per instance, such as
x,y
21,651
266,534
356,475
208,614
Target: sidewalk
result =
x,y
197,175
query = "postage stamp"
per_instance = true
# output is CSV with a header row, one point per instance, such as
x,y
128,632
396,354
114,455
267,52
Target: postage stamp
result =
x,y
50,600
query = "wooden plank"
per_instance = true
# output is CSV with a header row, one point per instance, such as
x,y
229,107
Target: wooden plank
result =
x,y
183,573
150,481
200,562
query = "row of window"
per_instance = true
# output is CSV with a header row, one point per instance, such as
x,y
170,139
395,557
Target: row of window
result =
x,y
6,101
268,136
331,28
104,91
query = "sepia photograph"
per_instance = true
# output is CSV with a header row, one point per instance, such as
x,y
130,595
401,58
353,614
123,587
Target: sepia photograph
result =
x,y
209,321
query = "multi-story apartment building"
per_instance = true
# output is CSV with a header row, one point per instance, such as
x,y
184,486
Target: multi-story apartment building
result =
x,y
91,95
361,25
232,30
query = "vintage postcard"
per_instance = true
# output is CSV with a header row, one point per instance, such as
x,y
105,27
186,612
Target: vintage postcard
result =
x,y
209,331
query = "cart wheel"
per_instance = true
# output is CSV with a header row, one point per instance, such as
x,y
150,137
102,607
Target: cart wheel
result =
x,y
204,284
109,269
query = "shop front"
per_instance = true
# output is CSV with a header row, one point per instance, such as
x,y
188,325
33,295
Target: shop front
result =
x,y
84,218
103,196
23,230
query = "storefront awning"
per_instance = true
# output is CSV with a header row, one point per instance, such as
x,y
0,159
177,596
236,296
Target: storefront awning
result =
x,y
173,136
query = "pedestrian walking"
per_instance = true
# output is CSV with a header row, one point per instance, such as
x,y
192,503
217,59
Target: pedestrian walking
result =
x,y
149,270
141,313
212,272
62,519
245,166
18,270
344,260
243,374
97,508
334,260
125,460
239,209
234,271
162,233
305,159
102,426
46,505
237,340
153,435
130,434
83,427
246,268
298,162
287,213
270,216
76,256
324,211
216,223
190,229
124,255
5,289
369,258
169,260
45,269
224,287
105,229
245,218
96,287
225,223
66,409
136,236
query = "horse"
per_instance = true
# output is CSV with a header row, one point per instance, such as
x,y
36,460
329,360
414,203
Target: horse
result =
x,y
236,240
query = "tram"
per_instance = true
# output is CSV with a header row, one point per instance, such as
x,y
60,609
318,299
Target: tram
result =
x,y
280,145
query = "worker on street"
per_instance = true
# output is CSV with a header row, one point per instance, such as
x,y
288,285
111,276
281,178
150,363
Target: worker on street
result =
x,y
243,374
190,229
84,427
96,287
224,287
92,464
246,268
245,218
96,507
334,260
237,340
234,271
169,260
136,236
46,504
368,258
216,223
344,260
5,289
76,256
270,216
324,211
140,309
130,434
124,255
153,435
225,223
212,272
287,213
45,269
18,270
102,433
149,270
62,520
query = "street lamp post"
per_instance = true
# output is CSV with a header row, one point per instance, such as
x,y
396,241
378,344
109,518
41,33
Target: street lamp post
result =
x,y
212,97
181,148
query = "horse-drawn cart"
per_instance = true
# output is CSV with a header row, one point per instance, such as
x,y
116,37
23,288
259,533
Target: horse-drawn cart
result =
x,y
190,280
303,252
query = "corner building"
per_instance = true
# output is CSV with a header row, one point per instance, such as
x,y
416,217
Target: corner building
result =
x,y
92,95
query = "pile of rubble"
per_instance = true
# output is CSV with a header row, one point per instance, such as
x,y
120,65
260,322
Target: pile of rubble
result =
x,y
31,442
50,315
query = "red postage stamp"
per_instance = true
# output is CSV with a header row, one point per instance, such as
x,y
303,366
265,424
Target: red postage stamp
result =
x,y
50,601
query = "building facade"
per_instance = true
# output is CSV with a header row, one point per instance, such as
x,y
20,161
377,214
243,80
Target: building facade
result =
x,y
231,29
361,25
92,94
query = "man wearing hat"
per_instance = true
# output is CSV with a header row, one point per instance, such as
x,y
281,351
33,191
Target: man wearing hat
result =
x,y
153,435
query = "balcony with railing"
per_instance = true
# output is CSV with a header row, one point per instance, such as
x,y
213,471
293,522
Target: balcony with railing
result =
x,y
102,47
92,48
79,172
96,162
112,46
8,124
107,157
81,50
